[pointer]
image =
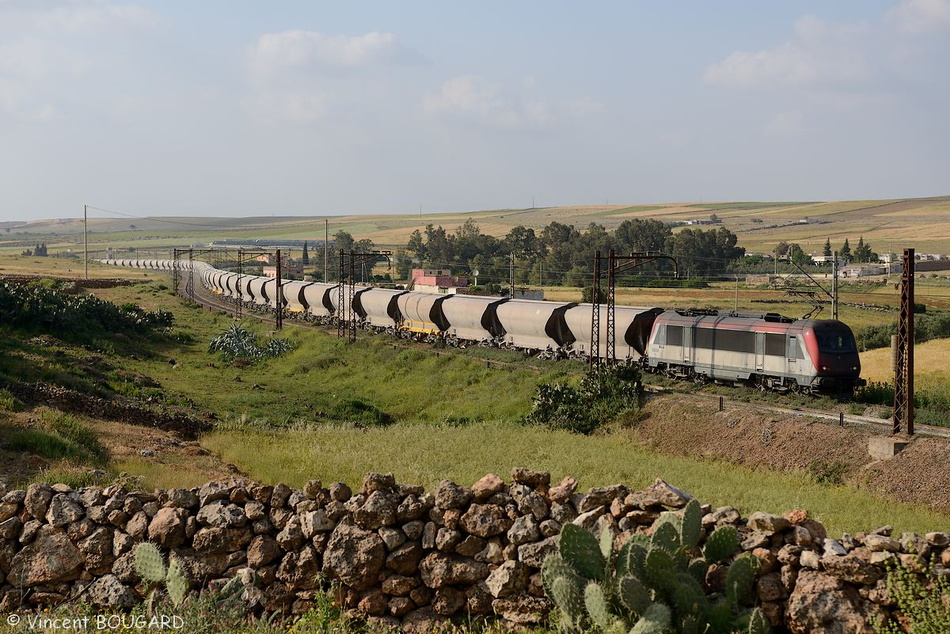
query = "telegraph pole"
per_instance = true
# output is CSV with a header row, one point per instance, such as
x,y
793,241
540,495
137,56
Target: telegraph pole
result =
x,y
279,300
326,248
904,368
85,238
834,286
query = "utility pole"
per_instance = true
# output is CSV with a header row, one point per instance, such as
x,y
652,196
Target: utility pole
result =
x,y
737,293
834,286
511,277
326,248
85,238
279,300
904,370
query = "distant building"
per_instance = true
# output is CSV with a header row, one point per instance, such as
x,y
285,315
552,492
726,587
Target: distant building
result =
x,y
437,281
288,268
864,270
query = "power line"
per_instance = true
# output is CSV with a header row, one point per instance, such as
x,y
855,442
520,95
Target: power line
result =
x,y
154,219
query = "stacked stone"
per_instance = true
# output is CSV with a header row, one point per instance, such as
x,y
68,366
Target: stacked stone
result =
x,y
403,556
74,402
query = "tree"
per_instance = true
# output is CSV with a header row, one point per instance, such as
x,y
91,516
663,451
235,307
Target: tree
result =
x,y
305,256
797,255
827,249
863,253
781,249
845,252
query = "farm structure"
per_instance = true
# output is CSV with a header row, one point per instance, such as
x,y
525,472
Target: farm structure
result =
x,y
765,350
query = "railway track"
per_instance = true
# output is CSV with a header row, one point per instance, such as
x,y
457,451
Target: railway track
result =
x,y
197,293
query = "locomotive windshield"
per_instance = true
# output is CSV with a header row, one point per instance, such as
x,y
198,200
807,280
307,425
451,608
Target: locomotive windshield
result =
x,y
836,341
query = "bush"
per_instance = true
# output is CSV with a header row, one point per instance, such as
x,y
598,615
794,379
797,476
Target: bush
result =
x,y
603,395
921,600
926,327
50,309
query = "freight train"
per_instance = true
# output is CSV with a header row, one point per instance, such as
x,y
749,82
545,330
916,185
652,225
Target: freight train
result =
x,y
767,350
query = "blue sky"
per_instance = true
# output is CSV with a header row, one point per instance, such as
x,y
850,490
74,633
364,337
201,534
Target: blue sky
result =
x,y
237,108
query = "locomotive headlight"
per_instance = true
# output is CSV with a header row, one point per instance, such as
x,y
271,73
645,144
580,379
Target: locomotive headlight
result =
x,y
824,368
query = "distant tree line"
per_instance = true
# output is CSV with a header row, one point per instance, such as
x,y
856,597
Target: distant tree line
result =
x,y
560,254
861,253
38,251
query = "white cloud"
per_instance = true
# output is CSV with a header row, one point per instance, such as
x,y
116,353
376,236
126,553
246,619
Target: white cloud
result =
x,y
786,124
276,52
88,16
296,107
819,54
921,16
476,99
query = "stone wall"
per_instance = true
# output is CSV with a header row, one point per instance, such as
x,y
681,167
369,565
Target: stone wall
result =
x,y
405,556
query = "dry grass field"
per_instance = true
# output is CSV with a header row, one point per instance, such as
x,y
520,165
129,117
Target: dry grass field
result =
x,y
922,223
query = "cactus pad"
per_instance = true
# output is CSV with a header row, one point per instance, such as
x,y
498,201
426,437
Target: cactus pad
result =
x,y
149,563
580,549
723,542
740,577
692,524
596,603
177,584
656,620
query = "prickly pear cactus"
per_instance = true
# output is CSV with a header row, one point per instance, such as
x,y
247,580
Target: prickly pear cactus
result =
x,y
149,563
651,585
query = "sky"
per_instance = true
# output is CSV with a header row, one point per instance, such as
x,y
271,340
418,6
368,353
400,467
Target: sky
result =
x,y
318,107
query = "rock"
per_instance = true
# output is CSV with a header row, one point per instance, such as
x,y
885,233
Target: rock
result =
x,y
64,510
291,537
834,547
405,559
531,503
168,527
301,570
449,495
340,492
524,530
660,494
767,523
439,569
530,477
810,559
213,491
563,513
262,550
589,518
410,509
533,554
508,579
314,522
378,510
399,585
222,514
280,495
600,496
373,482
485,520
373,603
940,540
97,550
214,540
37,500
487,486
185,498
522,609
400,606
854,567
769,587
50,558
446,540
447,601
10,528
479,599
414,529
108,591
354,555
421,621
563,491
549,528
392,537
880,543
822,603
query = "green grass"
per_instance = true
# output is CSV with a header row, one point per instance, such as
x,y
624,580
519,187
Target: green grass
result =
x,y
427,454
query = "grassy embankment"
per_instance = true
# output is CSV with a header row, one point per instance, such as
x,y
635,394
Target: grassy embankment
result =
x,y
452,418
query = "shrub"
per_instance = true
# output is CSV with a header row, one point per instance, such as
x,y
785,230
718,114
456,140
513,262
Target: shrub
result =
x,y
827,471
921,600
50,309
603,395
